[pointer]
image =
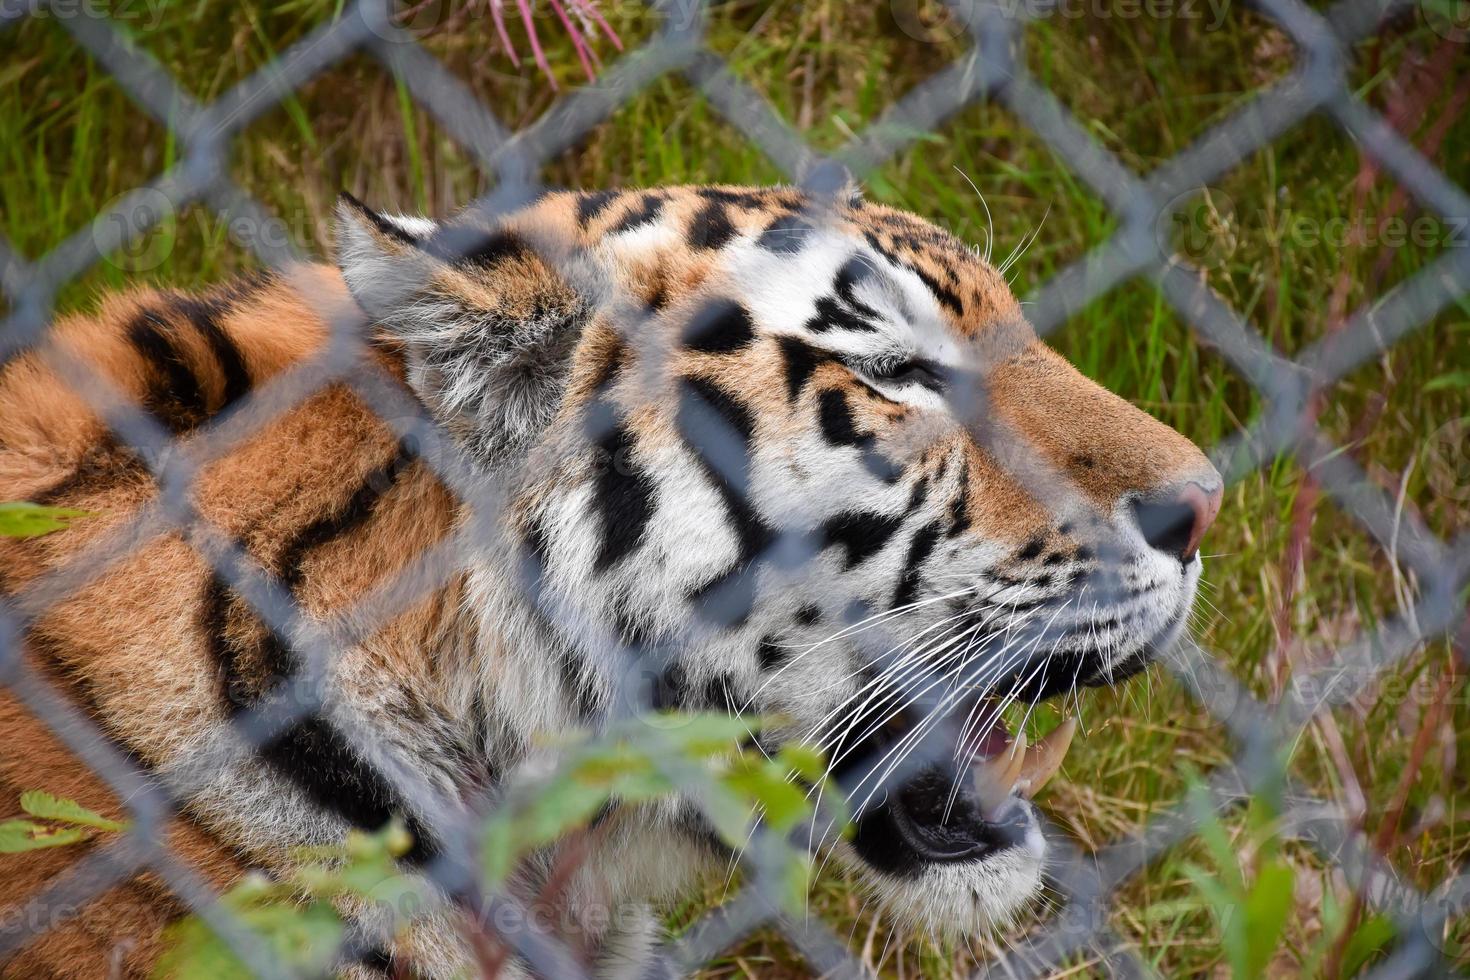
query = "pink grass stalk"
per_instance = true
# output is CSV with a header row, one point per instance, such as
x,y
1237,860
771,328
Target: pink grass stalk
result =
x,y
582,35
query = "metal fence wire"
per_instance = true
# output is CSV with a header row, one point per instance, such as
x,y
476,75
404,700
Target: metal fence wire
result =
x,y
991,69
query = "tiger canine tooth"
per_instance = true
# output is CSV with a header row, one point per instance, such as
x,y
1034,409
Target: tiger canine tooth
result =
x,y
1045,758
997,775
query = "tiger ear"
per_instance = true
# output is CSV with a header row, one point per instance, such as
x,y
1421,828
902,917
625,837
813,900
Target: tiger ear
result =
x,y
381,255
485,323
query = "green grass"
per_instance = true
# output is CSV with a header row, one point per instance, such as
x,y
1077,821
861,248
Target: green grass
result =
x,y
70,140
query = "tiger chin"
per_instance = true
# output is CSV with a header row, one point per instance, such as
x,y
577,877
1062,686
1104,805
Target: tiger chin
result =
x,y
801,452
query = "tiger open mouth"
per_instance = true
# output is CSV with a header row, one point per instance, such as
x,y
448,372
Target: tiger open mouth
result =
x,y
947,813
977,804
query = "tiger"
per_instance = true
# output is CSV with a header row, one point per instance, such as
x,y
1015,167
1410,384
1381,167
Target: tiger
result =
x,y
748,429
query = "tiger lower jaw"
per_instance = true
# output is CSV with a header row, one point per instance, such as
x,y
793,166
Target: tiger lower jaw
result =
x,y
963,857
964,854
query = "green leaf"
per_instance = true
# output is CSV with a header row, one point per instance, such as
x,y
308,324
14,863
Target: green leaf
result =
x,y
498,851
1213,833
17,836
1266,909
795,878
556,809
39,803
1224,905
193,950
1454,379
1371,937
804,760
306,937
784,802
19,519
707,733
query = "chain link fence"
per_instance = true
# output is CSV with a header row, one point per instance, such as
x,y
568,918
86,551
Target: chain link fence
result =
x,y
1141,246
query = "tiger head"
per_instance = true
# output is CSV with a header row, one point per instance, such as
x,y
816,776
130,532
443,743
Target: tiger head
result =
x,y
804,457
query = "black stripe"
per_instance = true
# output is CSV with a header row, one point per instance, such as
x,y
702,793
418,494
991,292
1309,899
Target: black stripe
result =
x,y
943,293
831,315
309,752
589,206
204,314
321,762
729,408
946,295
577,683
382,224
800,360
770,654
644,211
720,327
178,402
480,247
754,534
786,235
854,272
919,551
1032,548
105,467
223,653
861,533
711,227
350,515
959,508
375,960
718,695
633,633
728,599
623,496
745,199
838,426
919,495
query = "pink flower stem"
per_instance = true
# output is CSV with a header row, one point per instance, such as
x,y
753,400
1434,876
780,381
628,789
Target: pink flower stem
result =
x,y
497,14
576,34
590,8
536,51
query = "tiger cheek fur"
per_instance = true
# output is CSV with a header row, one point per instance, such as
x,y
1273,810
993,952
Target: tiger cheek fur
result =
x,y
804,455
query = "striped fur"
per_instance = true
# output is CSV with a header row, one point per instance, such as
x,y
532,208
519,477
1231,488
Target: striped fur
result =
x,y
817,342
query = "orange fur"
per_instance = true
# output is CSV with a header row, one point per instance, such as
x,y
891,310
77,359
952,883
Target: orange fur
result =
x,y
127,645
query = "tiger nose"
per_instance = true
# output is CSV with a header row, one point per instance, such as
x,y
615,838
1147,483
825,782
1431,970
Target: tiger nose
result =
x,y
1176,521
